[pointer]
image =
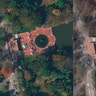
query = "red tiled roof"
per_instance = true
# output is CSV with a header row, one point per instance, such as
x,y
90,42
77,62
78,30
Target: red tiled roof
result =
x,y
6,71
29,39
32,34
25,35
25,39
90,47
28,52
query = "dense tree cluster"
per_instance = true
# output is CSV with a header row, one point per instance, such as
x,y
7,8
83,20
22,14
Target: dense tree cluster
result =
x,y
92,28
58,79
25,15
4,94
37,65
43,74
2,37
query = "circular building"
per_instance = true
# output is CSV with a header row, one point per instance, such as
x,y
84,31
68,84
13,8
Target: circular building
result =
x,y
42,39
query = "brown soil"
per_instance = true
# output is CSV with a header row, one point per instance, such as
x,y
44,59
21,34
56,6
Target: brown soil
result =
x,y
47,2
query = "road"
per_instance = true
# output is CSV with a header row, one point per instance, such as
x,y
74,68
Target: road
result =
x,y
13,85
90,90
78,87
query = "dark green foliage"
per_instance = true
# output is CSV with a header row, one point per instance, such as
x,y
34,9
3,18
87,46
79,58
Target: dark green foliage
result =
x,y
1,78
2,37
4,3
30,22
2,33
67,51
4,94
63,4
46,73
26,15
60,3
25,62
42,94
17,26
58,75
12,4
92,28
63,85
37,66
1,53
6,87
31,4
31,88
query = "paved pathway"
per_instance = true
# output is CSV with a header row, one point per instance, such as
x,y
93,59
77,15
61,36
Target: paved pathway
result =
x,y
13,85
90,90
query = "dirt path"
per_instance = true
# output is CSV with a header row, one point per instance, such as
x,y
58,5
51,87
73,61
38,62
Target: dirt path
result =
x,y
78,87
90,90
13,85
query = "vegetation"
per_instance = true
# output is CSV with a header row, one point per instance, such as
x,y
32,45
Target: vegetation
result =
x,y
4,94
4,90
46,75
1,78
59,87
94,77
43,74
2,37
92,28
26,15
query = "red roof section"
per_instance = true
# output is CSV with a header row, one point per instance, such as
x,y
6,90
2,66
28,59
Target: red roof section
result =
x,y
25,39
90,47
29,39
25,35
6,71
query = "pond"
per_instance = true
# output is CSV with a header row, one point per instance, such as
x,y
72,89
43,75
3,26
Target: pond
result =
x,y
64,35
41,41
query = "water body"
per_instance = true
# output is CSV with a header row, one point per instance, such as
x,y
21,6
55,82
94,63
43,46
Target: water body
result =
x,y
64,34
41,41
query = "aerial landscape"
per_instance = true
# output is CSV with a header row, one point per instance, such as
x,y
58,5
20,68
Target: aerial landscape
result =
x,y
36,48
84,47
